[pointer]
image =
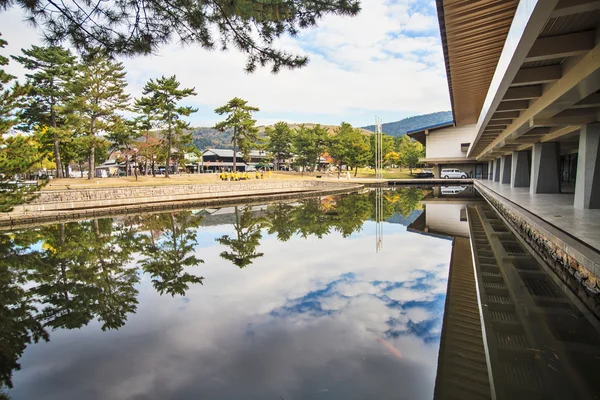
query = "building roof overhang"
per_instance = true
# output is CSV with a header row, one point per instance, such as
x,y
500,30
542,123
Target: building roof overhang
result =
x,y
420,134
473,33
546,82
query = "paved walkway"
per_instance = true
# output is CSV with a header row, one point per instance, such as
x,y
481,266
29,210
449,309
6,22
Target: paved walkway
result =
x,y
556,209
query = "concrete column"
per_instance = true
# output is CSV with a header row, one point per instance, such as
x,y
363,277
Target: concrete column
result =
x,y
490,170
497,170
520,173
545,177
587,182
505,164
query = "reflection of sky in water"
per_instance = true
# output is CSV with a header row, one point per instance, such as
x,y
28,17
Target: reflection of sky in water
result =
x,y
311,319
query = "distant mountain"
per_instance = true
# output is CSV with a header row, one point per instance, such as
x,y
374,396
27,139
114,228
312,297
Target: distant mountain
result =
x,y
209,138
402,220
399,128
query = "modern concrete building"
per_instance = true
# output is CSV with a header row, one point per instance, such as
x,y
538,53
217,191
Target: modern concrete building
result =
x,y
524,82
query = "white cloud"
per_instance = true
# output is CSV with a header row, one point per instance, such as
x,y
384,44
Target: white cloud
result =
x,y
386,61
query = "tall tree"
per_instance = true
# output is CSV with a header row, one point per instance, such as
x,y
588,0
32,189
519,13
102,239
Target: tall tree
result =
x,y
410,151
309,144
141,26
387,145
99,91
239,118
12,95
162,96
123,135
348,147
53,69
15,154
279,141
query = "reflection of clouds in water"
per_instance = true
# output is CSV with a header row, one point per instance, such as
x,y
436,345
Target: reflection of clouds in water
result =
x,y
302,322
413,307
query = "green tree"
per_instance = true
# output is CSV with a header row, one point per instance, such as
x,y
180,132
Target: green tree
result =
x,y
392,158
309,144
410,151
141,26
279,141
239,119
12,96
167,258
53,68
123,135
99,92
346,146
162,96
13,160
387,146
248,235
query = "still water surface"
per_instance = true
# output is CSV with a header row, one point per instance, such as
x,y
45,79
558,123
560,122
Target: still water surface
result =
x,y
281,301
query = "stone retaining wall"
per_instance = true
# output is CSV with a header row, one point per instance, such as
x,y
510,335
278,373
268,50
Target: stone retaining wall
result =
x,y
73,199
577,264
196,196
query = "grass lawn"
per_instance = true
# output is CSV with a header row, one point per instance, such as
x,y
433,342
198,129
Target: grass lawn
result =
x,y
388,173
181,179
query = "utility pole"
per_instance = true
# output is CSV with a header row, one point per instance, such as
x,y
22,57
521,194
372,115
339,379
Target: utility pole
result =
x,y
378,149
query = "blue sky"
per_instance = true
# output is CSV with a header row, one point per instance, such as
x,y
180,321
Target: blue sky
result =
x,y
387,61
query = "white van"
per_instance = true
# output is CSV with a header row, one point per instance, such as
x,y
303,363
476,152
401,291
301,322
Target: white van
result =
x,y
452,174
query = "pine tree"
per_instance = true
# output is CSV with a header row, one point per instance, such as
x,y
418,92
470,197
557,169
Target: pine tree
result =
x,y
279,141
239,118
141,26
162,96
123,135
53,69
99,91
11,97
15,153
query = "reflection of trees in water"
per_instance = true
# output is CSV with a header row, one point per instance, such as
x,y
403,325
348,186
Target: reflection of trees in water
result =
x,y
166,258
345,214
65,275
18,324
247,238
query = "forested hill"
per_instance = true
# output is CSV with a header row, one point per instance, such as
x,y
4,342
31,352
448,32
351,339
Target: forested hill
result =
x,y
399,128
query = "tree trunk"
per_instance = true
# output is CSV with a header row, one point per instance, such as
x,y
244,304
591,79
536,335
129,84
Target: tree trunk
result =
x,y
168,156
59,171
234,149
127,165
153,168
169,138
135,167
80,169
92,160
355,171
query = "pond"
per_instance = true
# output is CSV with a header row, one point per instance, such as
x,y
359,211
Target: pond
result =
x,y
309,299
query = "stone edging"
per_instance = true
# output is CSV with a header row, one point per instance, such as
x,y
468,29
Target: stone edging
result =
x,y
22,220
561,252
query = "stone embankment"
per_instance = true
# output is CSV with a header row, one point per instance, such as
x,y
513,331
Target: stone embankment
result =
x,y
61,205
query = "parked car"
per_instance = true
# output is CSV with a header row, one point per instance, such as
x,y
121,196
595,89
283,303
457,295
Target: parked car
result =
x,y
452,189
453,174
424,173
